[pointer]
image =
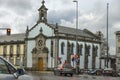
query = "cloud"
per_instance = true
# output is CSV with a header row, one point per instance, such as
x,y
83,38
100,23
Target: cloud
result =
x,y
92,15
67,15
20,7
17,14
116,25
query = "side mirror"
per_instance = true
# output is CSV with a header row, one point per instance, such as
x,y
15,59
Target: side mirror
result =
x,y
21,71
18,73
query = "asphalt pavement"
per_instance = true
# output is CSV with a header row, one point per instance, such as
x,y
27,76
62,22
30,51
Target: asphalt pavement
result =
x,y
49,75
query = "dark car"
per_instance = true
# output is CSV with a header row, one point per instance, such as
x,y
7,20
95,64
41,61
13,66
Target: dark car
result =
x,y
107,72
115,73
95,72
64,69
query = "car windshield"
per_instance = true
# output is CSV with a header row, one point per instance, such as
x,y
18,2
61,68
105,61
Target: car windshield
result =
x,y
6,68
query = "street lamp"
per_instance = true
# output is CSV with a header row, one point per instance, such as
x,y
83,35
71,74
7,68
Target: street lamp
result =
x,y
107,34
77,65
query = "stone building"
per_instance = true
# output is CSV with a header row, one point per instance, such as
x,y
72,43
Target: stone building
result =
x,y
118,50
13,48
46,45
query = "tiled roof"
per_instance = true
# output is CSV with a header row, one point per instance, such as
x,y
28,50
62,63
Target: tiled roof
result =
x,y
61,29
12,37
67,30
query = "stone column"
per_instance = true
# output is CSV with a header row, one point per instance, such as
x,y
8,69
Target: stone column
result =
x,y
56,51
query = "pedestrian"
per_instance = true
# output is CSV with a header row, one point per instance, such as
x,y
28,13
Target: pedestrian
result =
x,y
65,62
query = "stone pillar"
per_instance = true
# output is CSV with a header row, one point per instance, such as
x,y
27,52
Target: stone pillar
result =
x,y
56,52
15,60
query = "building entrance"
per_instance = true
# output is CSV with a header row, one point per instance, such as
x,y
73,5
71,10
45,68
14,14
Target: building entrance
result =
x,y
40,64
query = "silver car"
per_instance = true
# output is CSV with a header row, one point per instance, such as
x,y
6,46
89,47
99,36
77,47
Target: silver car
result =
x,y
64,69
9,72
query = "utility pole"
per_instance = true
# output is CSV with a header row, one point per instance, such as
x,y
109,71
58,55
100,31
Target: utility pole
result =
x,y
77,64
107,35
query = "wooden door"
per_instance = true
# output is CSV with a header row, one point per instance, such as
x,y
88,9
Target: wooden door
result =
x,y
40,64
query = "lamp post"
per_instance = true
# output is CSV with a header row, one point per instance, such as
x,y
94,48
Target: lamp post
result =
x,y
107,34
77,65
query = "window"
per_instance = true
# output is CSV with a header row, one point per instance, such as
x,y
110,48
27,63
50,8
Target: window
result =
x,y
72,48
96,50
51,48
62,47
88,48
118,49
68,48
11,50
118,38
4,51
80,50
18,50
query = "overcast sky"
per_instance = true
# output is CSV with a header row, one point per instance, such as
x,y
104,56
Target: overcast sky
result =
x,y
17,14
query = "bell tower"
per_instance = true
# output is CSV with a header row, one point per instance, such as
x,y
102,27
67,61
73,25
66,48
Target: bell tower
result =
x,y
42,13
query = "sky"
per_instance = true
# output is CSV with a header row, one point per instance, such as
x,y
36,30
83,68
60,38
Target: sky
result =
x,y
18,14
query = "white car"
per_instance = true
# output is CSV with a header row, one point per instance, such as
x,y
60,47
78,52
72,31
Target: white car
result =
x,y
9,72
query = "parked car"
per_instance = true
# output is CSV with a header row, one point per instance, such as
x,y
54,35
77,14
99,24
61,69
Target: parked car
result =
x,y
9,72
64,69
107,72
86,71
95,72
116,73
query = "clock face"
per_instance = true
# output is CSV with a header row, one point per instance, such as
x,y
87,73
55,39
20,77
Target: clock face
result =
x,y
40,43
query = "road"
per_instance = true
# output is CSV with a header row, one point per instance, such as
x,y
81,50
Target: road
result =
x,y
51,76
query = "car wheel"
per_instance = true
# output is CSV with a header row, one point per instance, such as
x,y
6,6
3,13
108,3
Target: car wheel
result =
x,y
71,75
60,74
97,73
65,74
